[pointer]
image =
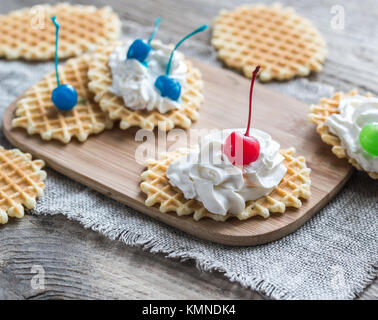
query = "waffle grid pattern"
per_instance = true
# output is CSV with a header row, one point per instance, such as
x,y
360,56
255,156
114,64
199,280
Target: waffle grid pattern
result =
x,y
29,34
37,114
295,184
21,182
282,42
318,115
100,80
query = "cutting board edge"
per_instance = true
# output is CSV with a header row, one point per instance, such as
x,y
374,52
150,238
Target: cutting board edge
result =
x,y
167,218
153,212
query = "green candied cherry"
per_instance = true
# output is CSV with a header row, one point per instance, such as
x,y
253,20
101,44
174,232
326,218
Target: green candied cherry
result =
x,y
369,138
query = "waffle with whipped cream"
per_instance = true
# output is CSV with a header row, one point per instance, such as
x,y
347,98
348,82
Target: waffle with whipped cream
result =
x,y
21,182
318,115
294,185
29,33
278,39
38,115
100,82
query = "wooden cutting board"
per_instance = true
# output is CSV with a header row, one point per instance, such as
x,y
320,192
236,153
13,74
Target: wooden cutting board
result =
x,y
107,164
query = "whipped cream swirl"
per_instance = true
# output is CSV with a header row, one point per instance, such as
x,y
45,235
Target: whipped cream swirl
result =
x,y
206,174
354,113
134,82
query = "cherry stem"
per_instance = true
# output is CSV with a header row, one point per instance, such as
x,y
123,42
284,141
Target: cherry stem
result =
x,y
255,72
157,22
56,24
200,29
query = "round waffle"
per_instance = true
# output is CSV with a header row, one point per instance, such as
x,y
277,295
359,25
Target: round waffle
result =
x,y
21,182
318,115
29,33
294,185
37,114
100,81
282,42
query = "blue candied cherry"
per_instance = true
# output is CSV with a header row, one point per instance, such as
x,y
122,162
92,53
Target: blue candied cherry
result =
x,y
64,96
243,149
369,138
167,86
139,49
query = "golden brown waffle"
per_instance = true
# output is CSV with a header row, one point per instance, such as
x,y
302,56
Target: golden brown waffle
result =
x,y
30,34
295,184
21,182
318,115
100,81
282,42
37,114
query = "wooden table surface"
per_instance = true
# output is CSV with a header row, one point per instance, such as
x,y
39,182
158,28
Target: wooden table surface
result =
x,y
84,264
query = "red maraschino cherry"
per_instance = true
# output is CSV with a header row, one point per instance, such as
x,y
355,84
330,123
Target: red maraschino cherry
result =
x,y
243,149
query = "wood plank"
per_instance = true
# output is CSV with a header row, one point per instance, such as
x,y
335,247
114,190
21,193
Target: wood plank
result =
x,y
107,162
83,264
